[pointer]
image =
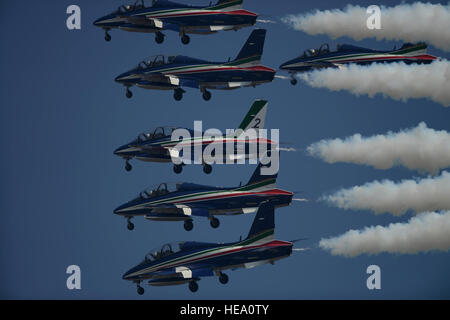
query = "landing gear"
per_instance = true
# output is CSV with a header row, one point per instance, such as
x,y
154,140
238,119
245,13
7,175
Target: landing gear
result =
x,y
130,225
107,36
207,168
177,168
129,94
128,166
178,94
193,286
140,290
188,225
159,37
223,278
185,39
206,95
293,81
215,223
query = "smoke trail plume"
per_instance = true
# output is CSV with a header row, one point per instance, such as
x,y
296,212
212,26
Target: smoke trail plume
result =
x,y
420,148
396,80
425,232
407,22
429,194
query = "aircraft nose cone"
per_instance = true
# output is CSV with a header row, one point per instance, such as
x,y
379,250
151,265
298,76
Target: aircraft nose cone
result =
x,y
126,275
283,66
99,22
120,209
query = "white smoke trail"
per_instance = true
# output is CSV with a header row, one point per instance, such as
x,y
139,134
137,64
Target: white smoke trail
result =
x,y
396,80
408,22
420,148
425,232
429,194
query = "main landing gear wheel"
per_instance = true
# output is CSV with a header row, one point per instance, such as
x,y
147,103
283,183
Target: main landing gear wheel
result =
x,y
293,81
107,36
188,225
140,290
206,95
128,166
130,225
215,223
193,286
159,37
177,168
178,94
185,39
207,168
129,94
223,278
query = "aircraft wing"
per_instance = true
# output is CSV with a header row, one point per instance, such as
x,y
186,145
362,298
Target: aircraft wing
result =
x,y
176,80
142,21
183,272
177,210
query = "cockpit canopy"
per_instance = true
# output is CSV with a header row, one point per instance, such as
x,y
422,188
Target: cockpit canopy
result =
x,y
159,190
156,133
139,4
164,251
155,61
324,48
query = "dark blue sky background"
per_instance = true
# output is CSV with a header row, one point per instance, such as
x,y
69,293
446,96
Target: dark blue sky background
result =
x,y
62,116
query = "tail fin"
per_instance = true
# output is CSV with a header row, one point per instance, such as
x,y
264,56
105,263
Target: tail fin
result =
x,y
228,4
252,50
264,223
259,181
255,117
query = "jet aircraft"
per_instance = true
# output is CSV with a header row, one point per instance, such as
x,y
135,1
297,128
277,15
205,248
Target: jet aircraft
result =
x,y
182,201
313,59
175,72
158,145
187,262
164,15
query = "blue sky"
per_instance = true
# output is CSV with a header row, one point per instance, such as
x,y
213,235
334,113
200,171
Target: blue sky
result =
x,y
62,116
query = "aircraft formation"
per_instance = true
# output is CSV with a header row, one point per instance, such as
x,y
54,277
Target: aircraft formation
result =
x,y
186,262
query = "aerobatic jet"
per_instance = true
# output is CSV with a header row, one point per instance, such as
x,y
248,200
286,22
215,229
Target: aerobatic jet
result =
x,y
313,59
183,201
163,15
158,145
176,72
189,261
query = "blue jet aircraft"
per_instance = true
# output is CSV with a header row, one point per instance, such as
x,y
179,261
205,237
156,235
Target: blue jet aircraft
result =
x,y
313,59
158,145
182,201
187,262
175,72
185,19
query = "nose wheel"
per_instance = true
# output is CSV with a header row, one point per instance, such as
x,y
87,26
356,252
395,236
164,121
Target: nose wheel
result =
x,y
140,290
223,278
128,166
293,81
207,168
193,286
129,94
206,95
185,39
159,37
215,223
130,225
107,36
188,225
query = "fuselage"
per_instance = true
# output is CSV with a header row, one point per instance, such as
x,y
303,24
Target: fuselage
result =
x,y
157,150
211,200
196,73
348,54
165,15
217,257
